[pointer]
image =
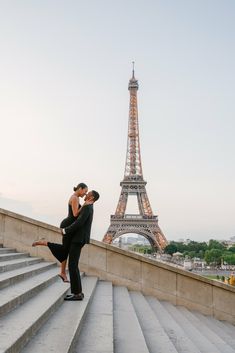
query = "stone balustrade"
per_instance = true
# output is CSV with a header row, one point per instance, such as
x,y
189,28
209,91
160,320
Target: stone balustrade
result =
x,y
122,267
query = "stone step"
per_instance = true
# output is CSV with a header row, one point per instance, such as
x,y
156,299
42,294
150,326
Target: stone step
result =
x,y
175,332
98,323
13,256
60,332
18,263
196,335
19,293
11,277
218,329
221,345
34,318
128,336
230,328
21,324
7,250
155,336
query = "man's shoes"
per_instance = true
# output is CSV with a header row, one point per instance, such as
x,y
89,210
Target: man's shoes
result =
x,y
74,297
69,295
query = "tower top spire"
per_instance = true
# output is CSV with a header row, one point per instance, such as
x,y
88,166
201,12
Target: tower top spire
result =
x,y
133,168
133,83
133,69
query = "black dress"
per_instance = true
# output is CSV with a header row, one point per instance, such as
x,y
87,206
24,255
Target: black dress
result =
x,y
61,251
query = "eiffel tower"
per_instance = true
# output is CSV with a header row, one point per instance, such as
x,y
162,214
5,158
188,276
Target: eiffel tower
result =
x,y
144,223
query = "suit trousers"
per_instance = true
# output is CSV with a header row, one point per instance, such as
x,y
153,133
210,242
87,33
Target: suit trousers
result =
x,y
74,273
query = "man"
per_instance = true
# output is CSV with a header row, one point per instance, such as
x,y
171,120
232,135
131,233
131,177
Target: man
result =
x,y
80,232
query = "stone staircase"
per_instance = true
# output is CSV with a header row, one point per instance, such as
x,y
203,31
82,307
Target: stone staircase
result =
x,y
34,318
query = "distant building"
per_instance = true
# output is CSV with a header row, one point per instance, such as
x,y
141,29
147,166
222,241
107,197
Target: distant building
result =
x,y
132,240
228,243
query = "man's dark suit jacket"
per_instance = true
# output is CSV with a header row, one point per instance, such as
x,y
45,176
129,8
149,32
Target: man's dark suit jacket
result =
x,y
80,230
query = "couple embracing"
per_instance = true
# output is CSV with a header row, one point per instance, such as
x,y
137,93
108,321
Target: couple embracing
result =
x,y
75,229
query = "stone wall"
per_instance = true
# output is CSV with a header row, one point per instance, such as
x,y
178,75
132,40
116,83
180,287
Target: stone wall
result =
x,y
136,272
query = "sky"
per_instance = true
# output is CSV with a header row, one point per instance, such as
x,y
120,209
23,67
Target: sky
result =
x,y
64,101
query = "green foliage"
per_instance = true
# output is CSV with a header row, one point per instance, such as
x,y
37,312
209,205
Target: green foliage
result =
x,y
196,246
211,253
229,259
193,249
192,254
213,256
214,244
201,254
143,249
170,248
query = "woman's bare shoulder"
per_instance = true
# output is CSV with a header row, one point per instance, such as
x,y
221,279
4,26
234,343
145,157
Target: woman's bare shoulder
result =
x,y
73,198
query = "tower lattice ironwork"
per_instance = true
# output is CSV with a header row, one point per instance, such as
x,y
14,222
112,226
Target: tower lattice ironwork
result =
x,y
143,223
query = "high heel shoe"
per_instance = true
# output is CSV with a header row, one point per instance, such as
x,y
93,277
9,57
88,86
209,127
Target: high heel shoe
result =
x,y
64,280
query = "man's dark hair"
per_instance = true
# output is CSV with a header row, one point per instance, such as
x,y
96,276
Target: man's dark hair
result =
x,y
95,195
80,185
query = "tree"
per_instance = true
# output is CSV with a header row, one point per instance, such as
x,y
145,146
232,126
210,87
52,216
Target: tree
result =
x,y
214,244
201,254
180,246
144,249
229,259
232,249
170,248
213,256
192,254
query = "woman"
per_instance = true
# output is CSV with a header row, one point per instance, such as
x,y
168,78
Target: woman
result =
x,y
58,250
74,208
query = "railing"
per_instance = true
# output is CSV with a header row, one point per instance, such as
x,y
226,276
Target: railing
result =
x,y
132,216
124,268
